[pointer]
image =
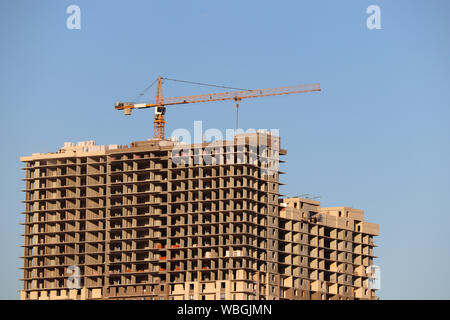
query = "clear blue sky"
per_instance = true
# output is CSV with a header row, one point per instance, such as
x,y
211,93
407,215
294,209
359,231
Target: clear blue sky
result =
x,y
376,138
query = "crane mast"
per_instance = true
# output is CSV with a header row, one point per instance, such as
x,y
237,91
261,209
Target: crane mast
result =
x,y
160,103
159,124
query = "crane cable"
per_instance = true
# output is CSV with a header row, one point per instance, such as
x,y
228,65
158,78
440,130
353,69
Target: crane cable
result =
x,y
140,95
205,84
196,83
217,86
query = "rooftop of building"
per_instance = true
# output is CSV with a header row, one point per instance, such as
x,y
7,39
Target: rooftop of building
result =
x,y
90,148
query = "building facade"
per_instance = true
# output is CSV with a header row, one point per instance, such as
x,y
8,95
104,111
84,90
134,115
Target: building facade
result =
x,y
165,220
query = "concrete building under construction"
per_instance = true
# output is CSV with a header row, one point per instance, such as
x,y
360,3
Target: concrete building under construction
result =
x,y
163,220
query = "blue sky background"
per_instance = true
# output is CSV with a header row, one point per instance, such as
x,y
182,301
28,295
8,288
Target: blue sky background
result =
x,y
376,137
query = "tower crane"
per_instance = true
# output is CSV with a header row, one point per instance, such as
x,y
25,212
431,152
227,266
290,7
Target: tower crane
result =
x,y
161,102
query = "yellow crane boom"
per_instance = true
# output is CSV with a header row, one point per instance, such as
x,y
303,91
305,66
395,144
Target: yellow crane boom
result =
x,y
237,96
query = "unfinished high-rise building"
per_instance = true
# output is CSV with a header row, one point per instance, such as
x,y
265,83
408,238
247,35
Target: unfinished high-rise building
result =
x,y
163,220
